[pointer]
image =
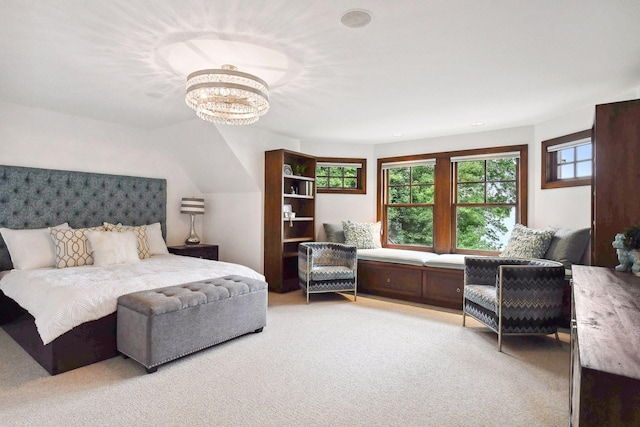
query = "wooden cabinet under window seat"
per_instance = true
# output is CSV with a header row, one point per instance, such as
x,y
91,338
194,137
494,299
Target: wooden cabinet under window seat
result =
x,y
428,285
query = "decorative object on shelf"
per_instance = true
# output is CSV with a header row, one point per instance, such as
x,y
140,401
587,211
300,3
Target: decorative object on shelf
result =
x,y
624,255
627,245
288,170
192,206
288,213
227,96
299,169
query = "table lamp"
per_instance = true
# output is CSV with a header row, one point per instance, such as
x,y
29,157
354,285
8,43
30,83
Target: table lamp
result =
x,y
192,206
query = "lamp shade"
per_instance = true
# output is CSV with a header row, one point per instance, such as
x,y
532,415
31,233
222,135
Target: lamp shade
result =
x,y
192,205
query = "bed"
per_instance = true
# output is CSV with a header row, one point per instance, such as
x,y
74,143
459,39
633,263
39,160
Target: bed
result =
x,y
33,198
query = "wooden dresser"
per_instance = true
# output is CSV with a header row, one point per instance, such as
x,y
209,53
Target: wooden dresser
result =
x,y
605,348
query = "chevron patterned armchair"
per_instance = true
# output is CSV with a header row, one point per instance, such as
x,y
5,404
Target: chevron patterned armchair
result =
x,y
327,267
513,296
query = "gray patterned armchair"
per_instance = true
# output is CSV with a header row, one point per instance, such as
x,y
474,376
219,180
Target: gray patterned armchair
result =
x,y
513,296
327,267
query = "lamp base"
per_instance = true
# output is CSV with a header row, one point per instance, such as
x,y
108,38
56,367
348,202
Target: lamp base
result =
x,y
193,238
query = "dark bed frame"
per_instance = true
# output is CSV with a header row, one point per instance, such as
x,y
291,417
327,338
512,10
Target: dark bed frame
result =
x,y
36,198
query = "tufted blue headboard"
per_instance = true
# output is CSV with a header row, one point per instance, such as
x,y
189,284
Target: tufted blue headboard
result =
x,y
36,198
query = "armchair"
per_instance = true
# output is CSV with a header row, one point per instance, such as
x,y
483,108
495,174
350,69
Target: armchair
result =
x,y
327,267
513,296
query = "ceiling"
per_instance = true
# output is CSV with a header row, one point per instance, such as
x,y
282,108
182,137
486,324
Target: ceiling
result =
x,y
421,67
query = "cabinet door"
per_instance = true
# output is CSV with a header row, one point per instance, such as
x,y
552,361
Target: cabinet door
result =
x,y
444,288
387,280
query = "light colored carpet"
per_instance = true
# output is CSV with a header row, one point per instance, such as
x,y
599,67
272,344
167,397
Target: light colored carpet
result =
x,y
330,363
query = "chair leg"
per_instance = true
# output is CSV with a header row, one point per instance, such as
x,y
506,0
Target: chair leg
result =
x,y
558,339
500,341
464,317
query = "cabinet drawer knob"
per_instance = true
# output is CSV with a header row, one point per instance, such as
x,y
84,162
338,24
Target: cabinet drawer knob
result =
x,y
458,290
388,279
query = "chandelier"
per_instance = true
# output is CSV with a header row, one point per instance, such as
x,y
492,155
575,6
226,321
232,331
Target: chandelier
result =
x,y
227,96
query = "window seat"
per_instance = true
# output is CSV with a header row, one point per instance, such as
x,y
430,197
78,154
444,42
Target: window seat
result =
x,y
416,276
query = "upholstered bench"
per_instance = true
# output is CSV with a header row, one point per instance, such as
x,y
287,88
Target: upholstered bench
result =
x,y
160,325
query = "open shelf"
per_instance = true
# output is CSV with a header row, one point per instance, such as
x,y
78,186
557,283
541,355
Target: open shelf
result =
x,y
301,178
282,236
299,218
297,239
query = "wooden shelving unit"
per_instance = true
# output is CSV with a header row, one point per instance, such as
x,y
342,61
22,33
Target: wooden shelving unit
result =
x,y
283,235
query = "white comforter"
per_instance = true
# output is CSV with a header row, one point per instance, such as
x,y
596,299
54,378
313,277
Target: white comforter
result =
x,y
61,299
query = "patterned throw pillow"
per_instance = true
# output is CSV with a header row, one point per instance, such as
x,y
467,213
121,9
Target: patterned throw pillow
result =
x,y
527,242
141,234
72,247
358,234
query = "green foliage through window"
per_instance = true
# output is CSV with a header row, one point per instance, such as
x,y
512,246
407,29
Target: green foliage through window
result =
x,y
338,177
486,197
409,207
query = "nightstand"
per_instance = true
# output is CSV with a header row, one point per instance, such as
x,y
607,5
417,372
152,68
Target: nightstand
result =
x,y
196,251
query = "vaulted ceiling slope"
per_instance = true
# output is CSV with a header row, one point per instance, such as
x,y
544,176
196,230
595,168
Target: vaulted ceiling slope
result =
x,y
421,67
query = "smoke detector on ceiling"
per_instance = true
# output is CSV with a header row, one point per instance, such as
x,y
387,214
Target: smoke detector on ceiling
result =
x,y
356,18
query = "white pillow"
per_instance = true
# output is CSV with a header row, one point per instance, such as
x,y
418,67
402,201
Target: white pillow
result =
x,y
141,234
377,234
157,245
112,247
31,248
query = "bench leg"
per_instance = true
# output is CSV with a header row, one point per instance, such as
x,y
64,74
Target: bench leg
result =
x,y
257,331
152,370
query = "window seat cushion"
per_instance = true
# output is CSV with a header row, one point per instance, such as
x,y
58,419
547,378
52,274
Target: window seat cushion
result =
x,y
398,256
453,261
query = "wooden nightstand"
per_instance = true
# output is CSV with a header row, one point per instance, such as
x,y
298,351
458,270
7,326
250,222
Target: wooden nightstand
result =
x,y
196,251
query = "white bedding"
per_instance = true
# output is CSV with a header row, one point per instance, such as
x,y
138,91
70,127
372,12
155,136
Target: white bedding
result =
x,y
61,299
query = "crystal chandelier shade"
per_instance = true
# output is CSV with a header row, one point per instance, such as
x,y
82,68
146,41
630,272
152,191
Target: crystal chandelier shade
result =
x,y
227,96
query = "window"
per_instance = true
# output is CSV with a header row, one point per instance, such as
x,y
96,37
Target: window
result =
x,y
485,200
567,161
409,199
339,175
455,202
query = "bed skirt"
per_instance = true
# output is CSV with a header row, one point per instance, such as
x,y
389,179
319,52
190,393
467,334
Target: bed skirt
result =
x,y
85,344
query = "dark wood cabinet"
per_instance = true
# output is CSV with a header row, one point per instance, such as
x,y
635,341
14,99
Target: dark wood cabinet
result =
x,y
444,287
289,187
386,279
605,338
616,201
196,251
428,285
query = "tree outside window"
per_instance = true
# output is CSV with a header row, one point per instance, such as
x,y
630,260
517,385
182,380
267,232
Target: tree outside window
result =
x,y
453,202
409,205
485,203
340,175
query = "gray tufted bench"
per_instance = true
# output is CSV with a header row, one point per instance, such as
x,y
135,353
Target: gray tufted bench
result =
x,y
160,325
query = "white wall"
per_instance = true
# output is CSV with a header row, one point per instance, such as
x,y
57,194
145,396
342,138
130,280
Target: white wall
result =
x,y
568,207
225,166
235,220
495,138
563,207
38,138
